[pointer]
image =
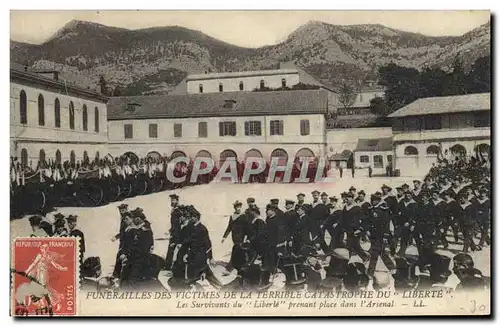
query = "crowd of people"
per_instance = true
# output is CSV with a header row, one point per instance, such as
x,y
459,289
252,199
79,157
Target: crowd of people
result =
x,y
101,181
405,227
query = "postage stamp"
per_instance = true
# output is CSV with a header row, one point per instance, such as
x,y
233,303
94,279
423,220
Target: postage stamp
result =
x,y
250,163
45,277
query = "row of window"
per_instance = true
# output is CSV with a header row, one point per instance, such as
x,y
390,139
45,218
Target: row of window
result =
x,y
435,150
454,121
242,86
23,113
226,128
58,159
378,160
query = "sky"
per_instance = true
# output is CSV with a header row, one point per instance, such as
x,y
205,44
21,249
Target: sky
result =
x,y
245,28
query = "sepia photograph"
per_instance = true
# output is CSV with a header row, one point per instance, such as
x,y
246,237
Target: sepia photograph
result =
x,y
250,163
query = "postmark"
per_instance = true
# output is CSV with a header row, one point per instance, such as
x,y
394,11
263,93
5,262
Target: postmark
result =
x,y
44,276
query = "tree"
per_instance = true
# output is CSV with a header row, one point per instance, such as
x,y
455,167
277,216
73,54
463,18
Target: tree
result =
x,y
347,96
456,80
479,78
379,107
102,84
402,85
117,91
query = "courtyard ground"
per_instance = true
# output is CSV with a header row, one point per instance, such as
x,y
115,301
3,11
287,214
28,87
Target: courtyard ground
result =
x,y
214,201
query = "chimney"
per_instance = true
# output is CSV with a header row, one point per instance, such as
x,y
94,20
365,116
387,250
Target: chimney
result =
x,y
56,75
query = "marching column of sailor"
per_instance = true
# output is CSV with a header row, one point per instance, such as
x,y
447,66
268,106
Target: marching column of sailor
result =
x,y
318,244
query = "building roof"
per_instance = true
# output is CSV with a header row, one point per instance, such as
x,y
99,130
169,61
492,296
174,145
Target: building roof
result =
x,y
338,157
445,104
18,73
374,145
218,104
236,74
304,77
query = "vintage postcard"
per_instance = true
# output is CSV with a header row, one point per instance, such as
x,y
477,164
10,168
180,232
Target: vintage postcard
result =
x,y
250,163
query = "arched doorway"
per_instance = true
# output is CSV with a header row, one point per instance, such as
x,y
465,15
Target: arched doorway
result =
x,y
41,157
58,157
253,153
85,157
153,155
483,148
458,150
228,153
304,152
134,159
281,154
347,154
411,150
97,156
203,153
177,154
432,150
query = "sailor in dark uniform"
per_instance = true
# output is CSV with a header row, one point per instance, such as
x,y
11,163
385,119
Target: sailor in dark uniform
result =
x,y
466,220
60,229
417,189
470,277
302,231
37,231
301,202
365,208
379,237
127,252
352,216
318,213
409,210
74,232
237,225
174,230
276,239
440,216
123,210
353,191
483,205
200,255
333,224
275,204
250,204
452,214
290,220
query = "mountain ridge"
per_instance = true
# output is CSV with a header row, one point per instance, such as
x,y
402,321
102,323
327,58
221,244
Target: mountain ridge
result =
x,y
155,59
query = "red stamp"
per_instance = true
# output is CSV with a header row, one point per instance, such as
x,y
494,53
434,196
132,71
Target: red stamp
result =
x,y
45,276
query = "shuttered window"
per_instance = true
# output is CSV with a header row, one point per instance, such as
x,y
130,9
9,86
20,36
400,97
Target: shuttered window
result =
x,y
276,127
304,127
253,128
177,130
227,128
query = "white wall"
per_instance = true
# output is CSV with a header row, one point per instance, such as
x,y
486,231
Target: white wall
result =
x,y
233,84
371,161
338,140
190,143
416,165
49,138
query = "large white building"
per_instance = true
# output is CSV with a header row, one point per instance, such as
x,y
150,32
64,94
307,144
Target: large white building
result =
x,y
54,120
219,125
241,81
452,124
